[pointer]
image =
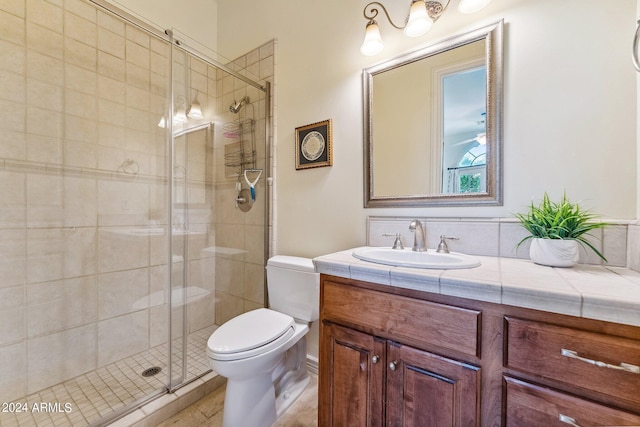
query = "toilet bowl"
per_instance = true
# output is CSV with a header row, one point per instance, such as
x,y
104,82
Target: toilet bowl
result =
x,y
262,353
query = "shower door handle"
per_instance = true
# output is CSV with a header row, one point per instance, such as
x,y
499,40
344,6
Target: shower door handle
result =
x,y
636,62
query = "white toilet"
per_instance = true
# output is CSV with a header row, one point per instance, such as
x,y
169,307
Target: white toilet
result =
x,y
263,352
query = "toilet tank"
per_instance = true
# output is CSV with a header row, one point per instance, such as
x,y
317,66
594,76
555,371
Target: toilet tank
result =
x,y
294,287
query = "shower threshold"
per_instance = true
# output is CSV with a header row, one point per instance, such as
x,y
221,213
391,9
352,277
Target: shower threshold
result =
x,y
88,398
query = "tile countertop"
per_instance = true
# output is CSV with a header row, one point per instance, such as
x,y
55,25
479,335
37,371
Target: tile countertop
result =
x,y
595,292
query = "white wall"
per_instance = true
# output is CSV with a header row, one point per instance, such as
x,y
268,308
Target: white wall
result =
x,y
570,106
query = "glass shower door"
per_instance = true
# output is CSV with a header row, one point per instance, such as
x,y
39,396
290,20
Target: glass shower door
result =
x,y
218,227
193,263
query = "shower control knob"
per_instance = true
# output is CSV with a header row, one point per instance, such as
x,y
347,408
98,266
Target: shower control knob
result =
x,y
375,359
393,365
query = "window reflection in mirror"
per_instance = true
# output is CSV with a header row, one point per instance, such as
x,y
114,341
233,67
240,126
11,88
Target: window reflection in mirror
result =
x,y
464,130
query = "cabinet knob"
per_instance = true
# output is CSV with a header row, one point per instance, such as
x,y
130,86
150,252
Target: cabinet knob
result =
x,y
375,359
393,365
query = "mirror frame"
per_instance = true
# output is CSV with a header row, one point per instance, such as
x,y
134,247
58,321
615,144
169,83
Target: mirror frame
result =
x,y
492,34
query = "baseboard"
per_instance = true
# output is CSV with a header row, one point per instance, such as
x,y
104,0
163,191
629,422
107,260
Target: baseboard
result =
x,y
312,364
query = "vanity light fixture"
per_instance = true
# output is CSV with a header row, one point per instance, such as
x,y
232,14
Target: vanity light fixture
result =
x,y
195,111
422,15
472,6
182,114
180,117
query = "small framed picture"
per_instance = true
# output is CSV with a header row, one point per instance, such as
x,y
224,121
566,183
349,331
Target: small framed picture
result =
x,y
313,145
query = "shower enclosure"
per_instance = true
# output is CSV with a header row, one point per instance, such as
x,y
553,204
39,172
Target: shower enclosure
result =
x,y
133,174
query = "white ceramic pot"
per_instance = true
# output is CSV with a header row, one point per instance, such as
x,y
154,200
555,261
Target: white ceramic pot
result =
x,y
554,252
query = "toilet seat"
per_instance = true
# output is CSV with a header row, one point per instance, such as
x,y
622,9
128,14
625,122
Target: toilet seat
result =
x,y
252,333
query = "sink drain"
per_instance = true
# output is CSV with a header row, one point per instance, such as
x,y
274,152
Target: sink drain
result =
x,y
151,371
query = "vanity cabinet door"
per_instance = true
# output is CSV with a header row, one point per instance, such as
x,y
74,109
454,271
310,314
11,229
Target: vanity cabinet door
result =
x,y
424,389
351,378
529,405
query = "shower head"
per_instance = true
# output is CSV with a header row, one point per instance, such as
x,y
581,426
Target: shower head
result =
x,y
237,105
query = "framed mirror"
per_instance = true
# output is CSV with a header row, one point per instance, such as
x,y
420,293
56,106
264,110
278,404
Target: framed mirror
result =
x,y
433,124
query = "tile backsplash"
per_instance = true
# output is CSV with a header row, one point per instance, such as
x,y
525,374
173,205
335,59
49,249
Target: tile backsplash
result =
x,y
619,242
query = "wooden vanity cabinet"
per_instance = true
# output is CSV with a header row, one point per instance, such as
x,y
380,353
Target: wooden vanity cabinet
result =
x,y
368,379
600,366
352,380
531,405
398,357
425,389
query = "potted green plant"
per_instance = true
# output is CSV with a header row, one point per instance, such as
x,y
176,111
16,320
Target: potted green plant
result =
x,y
557,228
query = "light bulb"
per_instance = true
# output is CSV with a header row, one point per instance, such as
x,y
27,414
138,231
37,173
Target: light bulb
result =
x,y
181,116
372,44
419,21
195,112
472,6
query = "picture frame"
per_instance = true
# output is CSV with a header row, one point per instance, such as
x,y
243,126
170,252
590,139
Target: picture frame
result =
x,y
314,147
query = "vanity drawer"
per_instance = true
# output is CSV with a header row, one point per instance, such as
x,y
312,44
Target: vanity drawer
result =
x,y
402,318
529,405
598,362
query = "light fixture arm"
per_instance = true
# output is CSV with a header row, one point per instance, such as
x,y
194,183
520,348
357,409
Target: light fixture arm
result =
x,y
373,12
434,9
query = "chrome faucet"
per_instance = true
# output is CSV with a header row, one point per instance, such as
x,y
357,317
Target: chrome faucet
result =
x,y
419,236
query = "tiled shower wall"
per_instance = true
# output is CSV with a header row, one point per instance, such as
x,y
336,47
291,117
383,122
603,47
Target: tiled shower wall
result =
x,y
79,94
82,176
240,236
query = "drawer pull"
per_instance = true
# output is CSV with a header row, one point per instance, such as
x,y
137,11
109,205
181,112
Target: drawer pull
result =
x,y
568,420
622,367
375,359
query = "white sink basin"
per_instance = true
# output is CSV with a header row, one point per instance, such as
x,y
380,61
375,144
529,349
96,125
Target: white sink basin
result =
x,y
408,258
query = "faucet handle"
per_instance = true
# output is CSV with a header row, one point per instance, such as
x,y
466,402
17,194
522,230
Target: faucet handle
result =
x,y
397,243
442,246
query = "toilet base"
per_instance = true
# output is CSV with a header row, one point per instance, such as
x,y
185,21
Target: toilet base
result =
x,y
270,394
286,399
291,376
260,412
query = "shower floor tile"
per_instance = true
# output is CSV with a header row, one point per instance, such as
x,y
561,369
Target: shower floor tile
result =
x,y
87,398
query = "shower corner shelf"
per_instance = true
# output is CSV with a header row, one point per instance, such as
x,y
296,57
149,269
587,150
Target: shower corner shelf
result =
x,y
239,159
235,129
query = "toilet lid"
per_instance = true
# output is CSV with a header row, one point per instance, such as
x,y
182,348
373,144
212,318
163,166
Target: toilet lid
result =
x,y
258,330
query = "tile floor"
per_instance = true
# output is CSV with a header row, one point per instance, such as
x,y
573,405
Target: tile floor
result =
x,y
99,393
207,412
